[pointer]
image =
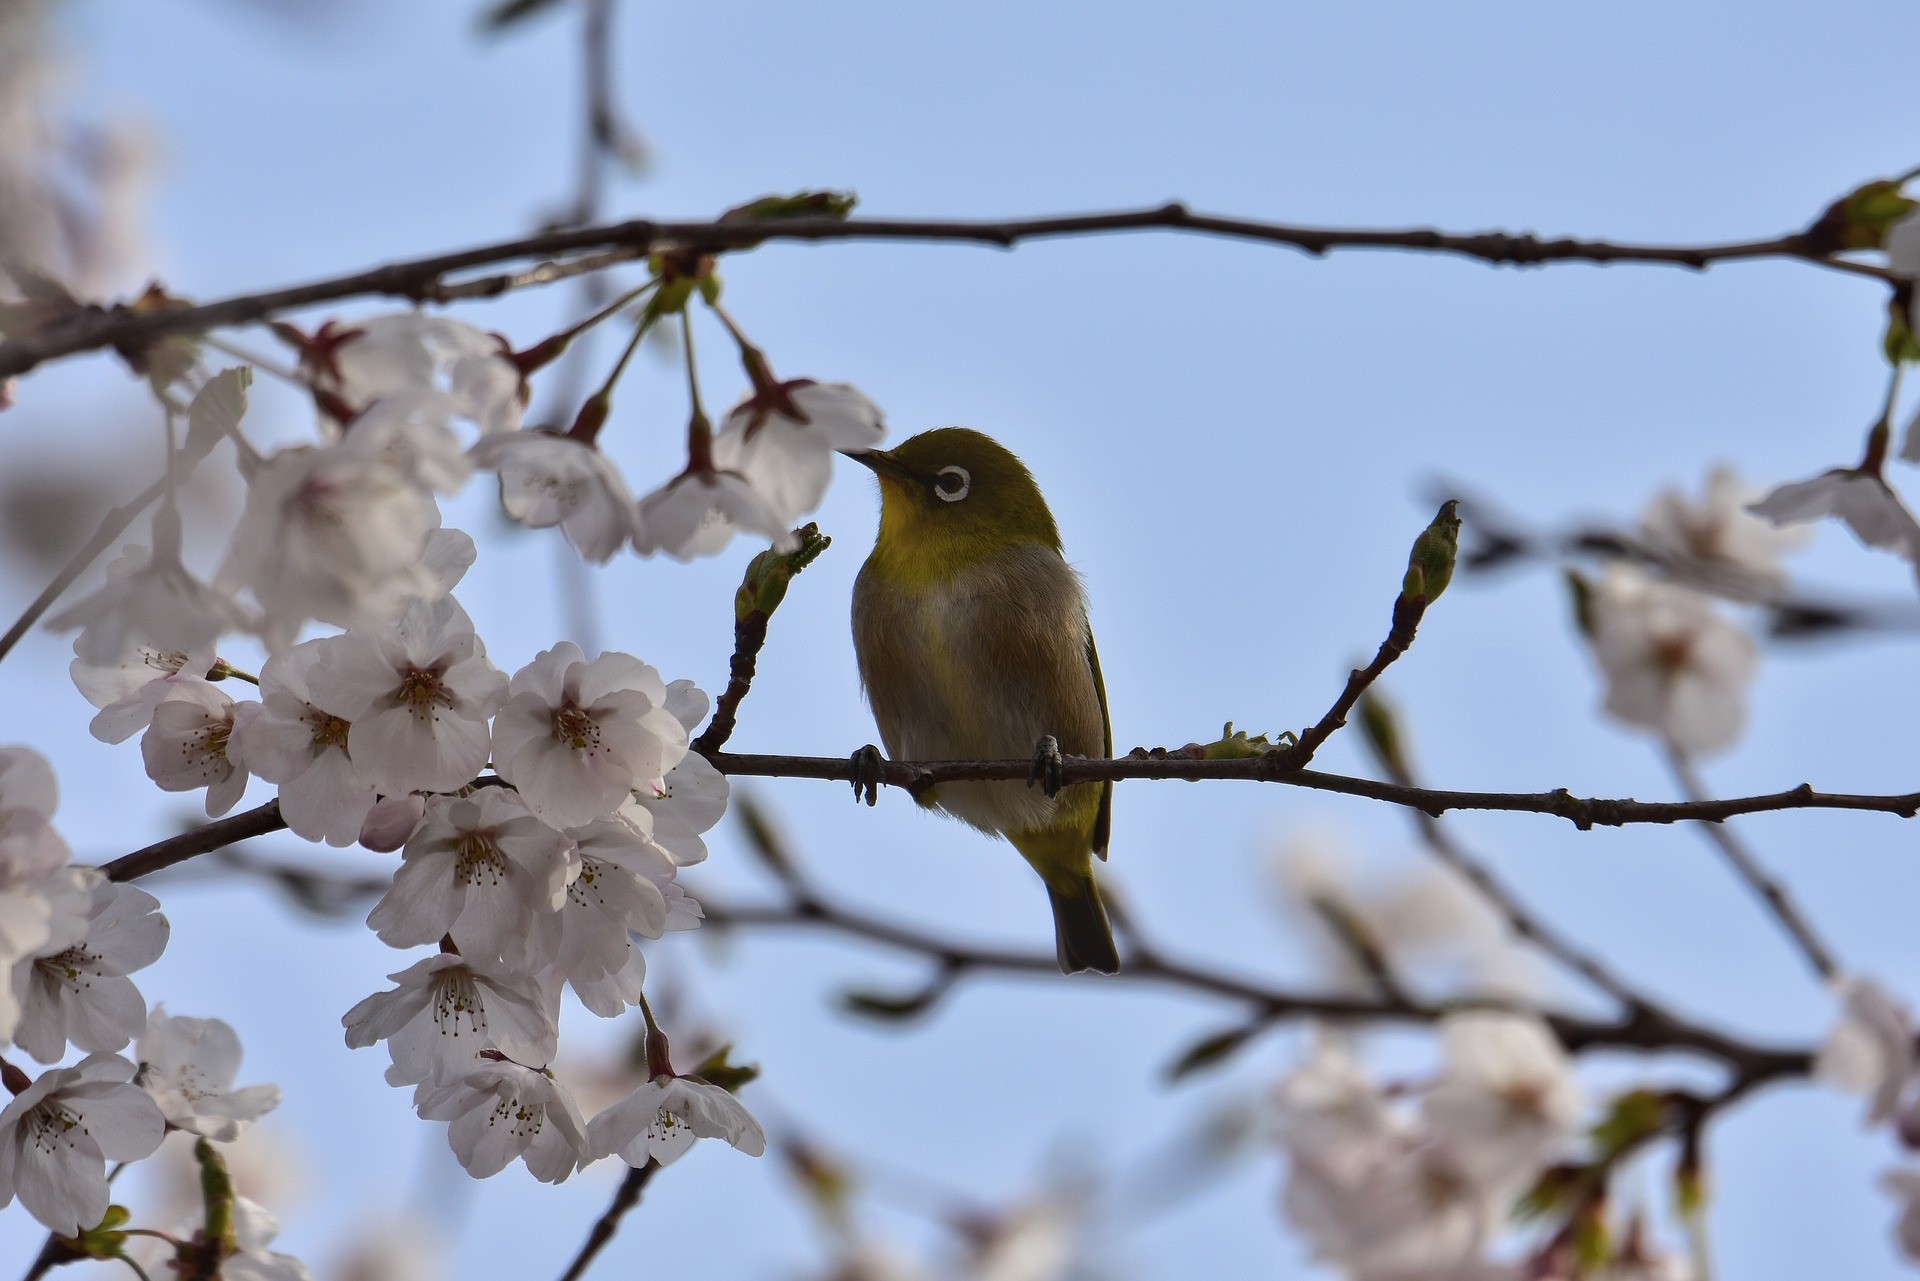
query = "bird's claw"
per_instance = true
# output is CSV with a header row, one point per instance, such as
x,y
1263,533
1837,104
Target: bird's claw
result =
x,y
1048,768
868,770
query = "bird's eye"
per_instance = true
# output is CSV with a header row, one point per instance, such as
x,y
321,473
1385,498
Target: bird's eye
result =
x,y
952,483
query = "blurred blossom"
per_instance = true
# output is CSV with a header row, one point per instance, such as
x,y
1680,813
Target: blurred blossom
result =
x,y
262,1161
1903,1184
1674,664
70,193
367,360
1870,1051
1715,541
1423,915
1040,1239
391,1249
1506,1103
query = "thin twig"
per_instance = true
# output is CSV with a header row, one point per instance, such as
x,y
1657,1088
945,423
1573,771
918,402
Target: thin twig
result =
x,y
1771,892
111,527
609,1223
420,279
1407,612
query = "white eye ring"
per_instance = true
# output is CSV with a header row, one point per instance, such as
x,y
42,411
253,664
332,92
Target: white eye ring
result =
x,y
952,484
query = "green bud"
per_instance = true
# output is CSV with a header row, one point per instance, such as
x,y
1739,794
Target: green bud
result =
x,y
716,1070
765,583
1633,1118
1592,1243
803,204
216,1189
104,1240
1558,1188
1380,727
670,298
710,288
1898,344
1859,219
1235,745
1430,563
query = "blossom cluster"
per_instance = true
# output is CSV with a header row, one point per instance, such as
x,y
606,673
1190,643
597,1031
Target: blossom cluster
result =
x,y
1871,1052
71,940
529,881
1416,1182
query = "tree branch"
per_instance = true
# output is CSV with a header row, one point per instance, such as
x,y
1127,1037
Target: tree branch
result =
x,y
603,1229
422,279
204,839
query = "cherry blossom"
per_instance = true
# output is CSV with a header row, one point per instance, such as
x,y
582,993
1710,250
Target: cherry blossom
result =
x,y
1393,1208
391,821
481,869
789,460
500,1112
127,687
693,795
1506,1102
662,1118
29,847
1870,1051
333,533
443,1013
625,886
1330,1109
254,1229
576,737
549,479
412,433
150,598
698,512
292,741
75,988
1716,541
417,695
1858,498
188,1066
379,356
185,748
57,1135
1674,664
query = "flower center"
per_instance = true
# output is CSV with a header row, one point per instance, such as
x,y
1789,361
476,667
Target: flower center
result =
x,y
421,689
574,727
328,731
51,1126
457,998
481,862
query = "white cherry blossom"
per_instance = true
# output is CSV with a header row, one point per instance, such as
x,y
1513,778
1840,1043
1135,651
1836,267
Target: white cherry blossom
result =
x,y
294,742
1506,1102
443,1013
1673,663
76,987
1394,1209
549,479
418,695
254,1229
150,598
1856,497
500,1112
188,1066
1870,1051
392,821
185,747
693,795
1716,541
128,687
698,512
1330,1109
788,460
482,869
57,1136
576,737
662,1118
29,847
412,432
625,886
334,533
378,356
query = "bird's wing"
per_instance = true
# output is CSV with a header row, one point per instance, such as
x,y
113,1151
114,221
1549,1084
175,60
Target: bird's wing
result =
x,y
1103,817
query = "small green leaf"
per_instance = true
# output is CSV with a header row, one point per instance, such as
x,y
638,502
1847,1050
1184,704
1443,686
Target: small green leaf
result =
x,y
1208,1052
802,204
1633,1118
716,1070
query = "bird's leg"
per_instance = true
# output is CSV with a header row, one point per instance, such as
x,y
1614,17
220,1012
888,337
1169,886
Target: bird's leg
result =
x,y
1047,766
868,768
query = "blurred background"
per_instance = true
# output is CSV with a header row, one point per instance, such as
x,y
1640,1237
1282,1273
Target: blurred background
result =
x,y
1239,442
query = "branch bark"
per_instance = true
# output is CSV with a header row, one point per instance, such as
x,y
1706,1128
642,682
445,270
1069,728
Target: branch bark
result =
x,y
424,279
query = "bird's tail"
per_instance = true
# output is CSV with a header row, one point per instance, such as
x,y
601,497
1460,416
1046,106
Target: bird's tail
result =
x,y
1081,935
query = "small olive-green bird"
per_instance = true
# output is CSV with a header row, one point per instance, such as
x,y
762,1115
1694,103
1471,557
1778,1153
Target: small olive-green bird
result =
x,y
972,635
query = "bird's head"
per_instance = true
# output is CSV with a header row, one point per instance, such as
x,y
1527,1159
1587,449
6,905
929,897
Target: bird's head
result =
x,y
954,497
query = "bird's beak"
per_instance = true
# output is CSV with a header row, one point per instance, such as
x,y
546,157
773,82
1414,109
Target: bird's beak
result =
x,y
883,464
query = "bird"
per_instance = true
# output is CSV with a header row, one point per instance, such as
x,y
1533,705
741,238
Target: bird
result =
x,y
973,642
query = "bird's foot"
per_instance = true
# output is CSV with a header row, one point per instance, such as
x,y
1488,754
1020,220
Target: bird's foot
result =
x,y
1048,766
868,769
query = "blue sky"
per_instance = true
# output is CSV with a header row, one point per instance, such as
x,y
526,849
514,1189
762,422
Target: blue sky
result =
x,y
1238,441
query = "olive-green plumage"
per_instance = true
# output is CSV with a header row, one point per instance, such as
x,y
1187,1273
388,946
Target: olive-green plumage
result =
x,y
972,636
